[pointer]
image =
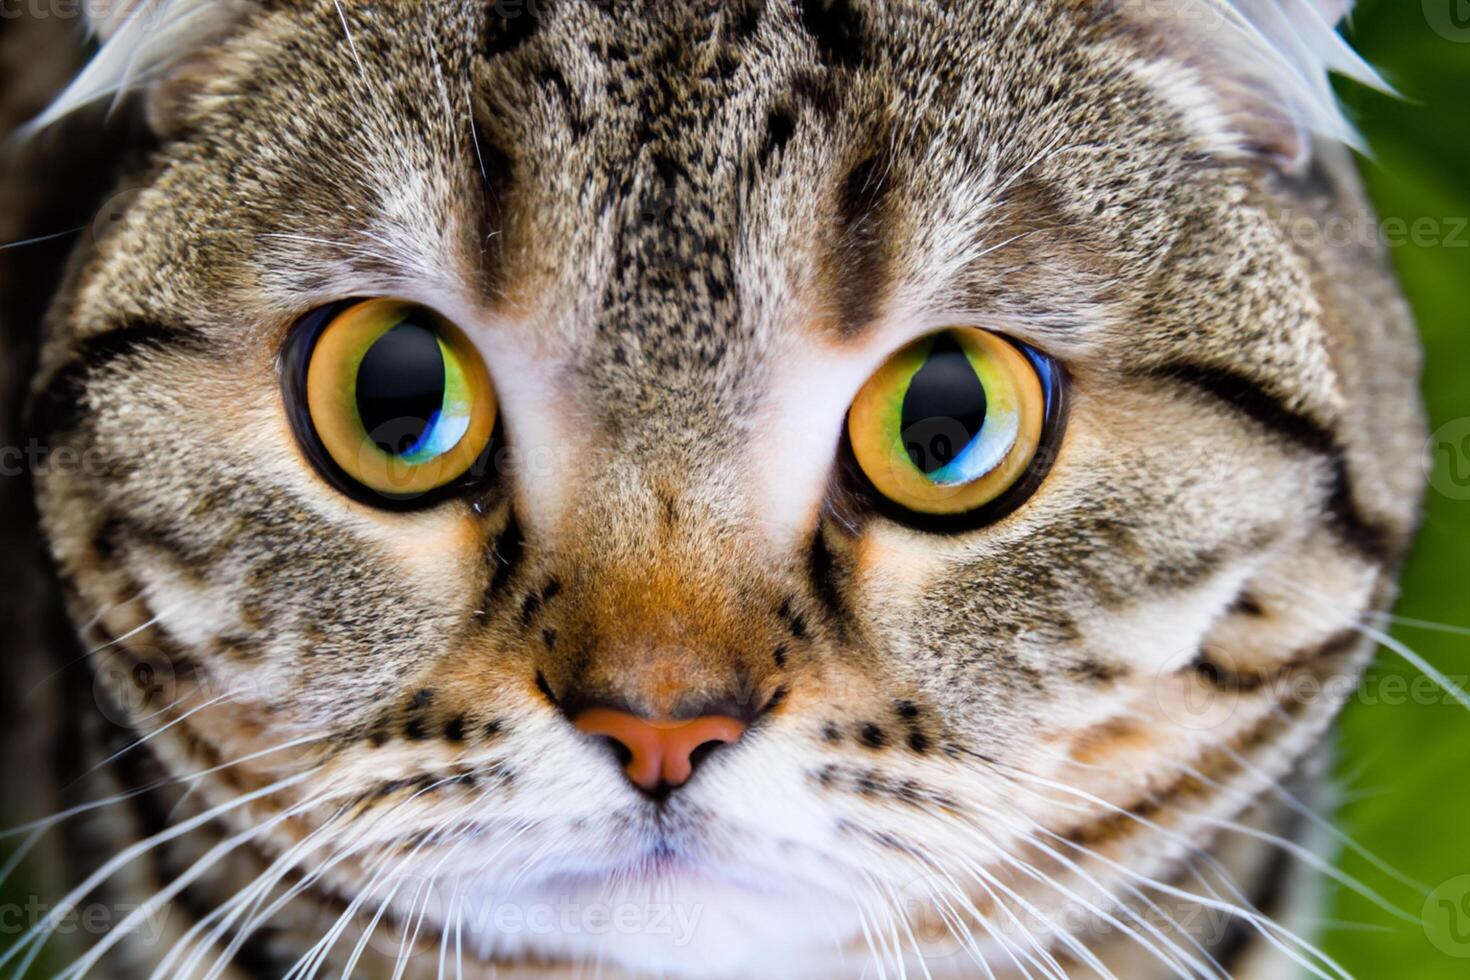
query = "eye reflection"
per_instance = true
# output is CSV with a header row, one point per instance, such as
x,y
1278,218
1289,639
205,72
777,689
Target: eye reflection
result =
x,y
389,398
952,421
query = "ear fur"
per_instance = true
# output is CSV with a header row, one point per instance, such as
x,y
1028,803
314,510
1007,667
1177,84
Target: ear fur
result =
x,y
1253,76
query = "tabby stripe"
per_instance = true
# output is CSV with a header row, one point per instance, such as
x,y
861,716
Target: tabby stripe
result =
x,y
822,567
1245,683
1216,766
858,257
57,405
1374,541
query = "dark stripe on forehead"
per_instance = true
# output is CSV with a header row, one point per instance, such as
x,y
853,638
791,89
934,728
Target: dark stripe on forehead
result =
x,y
859,256
497,183
510,25
1375,541
837,29
57,405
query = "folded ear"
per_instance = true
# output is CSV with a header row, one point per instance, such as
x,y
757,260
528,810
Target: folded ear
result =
x,y
158,46
1252,77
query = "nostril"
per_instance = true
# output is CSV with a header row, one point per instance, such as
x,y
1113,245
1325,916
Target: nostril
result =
x,y
704,751
659,755
621,752
637,743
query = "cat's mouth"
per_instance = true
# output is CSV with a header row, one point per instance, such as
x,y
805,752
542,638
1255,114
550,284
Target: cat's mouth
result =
x,y
665,863
653,901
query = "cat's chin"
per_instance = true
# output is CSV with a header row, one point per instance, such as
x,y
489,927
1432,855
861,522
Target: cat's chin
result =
x,y
661,916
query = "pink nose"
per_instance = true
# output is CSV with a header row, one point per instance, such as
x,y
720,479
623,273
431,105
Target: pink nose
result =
x,y
661,753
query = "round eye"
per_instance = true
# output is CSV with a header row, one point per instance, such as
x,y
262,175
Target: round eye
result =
x,y
391,397
954,421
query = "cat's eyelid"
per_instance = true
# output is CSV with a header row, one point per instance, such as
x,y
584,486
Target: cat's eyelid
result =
x,y
1061,333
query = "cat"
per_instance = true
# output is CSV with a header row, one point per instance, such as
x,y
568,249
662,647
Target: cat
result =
x,y
883,489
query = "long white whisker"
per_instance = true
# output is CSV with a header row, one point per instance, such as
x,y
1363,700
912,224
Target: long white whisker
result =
x,y
36,935
143,740
1305,811
1265,927
177,885
351,45
1383,639
228,910
46,823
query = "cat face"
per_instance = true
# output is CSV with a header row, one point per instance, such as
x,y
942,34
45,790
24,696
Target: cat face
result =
x,y
681,239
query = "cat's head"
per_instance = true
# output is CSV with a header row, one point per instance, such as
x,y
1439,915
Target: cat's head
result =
x,y
914,419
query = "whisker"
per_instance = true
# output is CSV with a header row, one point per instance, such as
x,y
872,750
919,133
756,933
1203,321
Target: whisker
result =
x,y
41,930
155,733
223,912
46,823
41,238
1410,656
177,885
1267,928
1305,811
351,45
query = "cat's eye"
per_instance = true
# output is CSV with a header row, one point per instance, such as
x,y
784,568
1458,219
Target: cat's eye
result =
x,y
954,423
390,399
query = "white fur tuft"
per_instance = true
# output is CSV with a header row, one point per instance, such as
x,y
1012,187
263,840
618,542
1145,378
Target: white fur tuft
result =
x,y
1286,51
140,40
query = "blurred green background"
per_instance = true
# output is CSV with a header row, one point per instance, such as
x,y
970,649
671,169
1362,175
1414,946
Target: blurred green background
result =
x,y
1404,767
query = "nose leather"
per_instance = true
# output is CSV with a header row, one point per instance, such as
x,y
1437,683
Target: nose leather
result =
x,y
660,752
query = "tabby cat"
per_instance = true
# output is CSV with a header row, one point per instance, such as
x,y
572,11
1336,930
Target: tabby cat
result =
x,y
702,488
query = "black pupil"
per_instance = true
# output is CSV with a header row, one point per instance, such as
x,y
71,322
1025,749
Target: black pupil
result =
x,y
400,387
944,408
